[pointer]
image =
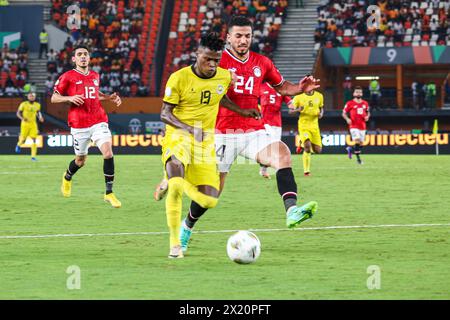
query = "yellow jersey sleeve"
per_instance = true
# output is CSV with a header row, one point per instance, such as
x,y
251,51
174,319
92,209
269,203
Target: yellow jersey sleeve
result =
x,y
38,108
21,106
297,101
172,94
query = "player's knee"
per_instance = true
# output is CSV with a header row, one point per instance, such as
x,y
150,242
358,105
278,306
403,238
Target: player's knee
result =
x,y
209,202
80,161
176,185
317,149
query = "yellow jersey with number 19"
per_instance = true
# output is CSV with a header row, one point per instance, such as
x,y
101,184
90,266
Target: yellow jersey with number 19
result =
x,y
196,99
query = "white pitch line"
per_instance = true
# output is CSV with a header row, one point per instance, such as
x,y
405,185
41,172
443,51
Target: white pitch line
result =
x,y
113,234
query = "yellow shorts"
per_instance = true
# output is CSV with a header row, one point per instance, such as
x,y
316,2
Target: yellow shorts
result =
x,y
312,135
199,159
29,129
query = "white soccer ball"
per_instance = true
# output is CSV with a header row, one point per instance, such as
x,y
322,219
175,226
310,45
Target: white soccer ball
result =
x,y
243,247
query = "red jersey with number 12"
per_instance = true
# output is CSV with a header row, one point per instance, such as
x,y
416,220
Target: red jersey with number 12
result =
x,y
91,112
251,73
358,111
271,102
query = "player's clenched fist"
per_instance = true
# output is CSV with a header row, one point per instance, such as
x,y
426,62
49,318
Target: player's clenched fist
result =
x,y
77,100
115,99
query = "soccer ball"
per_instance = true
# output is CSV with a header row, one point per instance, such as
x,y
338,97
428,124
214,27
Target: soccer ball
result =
x,y
243,247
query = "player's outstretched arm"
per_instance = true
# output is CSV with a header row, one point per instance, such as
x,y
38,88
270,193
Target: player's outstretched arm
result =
x,y
306,84
168,117
230,105
77,100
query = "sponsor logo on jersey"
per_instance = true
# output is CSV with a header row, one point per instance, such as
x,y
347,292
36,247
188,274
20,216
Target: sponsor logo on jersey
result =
x,y
257,71
79,82
96,82
220,89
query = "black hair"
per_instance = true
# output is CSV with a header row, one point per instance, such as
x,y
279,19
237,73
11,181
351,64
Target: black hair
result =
x,y
80,46
239,21
212,42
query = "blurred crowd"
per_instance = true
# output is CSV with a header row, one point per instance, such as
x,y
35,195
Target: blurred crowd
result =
x,y
344,23
111,29
14,71
266,15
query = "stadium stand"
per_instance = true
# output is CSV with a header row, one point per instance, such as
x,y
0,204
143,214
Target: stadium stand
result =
x,y
343,23
13,70
117,32
193,18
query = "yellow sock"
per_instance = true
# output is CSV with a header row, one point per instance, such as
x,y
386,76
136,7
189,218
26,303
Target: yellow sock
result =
x,y
306,161
33,150
202,199
173,209
21,141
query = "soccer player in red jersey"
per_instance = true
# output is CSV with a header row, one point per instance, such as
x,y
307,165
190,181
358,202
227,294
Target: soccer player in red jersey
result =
x,y
237,135
87,119
356,113
271,102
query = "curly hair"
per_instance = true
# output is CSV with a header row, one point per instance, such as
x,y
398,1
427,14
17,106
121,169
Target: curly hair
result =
x,y
212,42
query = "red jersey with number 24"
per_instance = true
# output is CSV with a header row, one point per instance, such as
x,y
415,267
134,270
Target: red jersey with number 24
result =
x,y
271,102
251,73
91,112
357,111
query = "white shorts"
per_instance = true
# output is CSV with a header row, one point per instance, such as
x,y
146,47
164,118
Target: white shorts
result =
x,y
358,134
99,133
247,145
274,131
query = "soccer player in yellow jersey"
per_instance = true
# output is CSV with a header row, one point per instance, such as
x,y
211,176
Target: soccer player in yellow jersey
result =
x,y
27,113
190,106
310,106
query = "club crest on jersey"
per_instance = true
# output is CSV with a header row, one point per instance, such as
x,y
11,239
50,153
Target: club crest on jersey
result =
x,y
220,89
96,82
257,71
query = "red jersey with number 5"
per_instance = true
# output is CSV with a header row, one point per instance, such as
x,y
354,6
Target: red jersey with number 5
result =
x,y
271,102
251,73
91,112
357,111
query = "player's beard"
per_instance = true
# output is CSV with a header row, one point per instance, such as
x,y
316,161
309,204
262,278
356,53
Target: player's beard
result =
x,y
241,51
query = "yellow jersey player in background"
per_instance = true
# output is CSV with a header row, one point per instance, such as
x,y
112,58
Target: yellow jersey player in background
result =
x,y
310,106
27,113
190,107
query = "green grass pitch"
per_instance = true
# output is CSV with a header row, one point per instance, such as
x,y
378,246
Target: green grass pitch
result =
x,y
294,264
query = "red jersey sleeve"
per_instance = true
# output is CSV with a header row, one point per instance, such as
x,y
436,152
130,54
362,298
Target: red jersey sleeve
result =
x,y
347,108
272,74
287,99
61,85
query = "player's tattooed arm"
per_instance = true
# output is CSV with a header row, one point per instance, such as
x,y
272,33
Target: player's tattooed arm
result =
x,y
367,117
321,113
307,84
168,117
77,100
248,113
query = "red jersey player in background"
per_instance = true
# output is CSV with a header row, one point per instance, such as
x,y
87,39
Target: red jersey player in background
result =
x,y
271,102
356,113
236,135
87,119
